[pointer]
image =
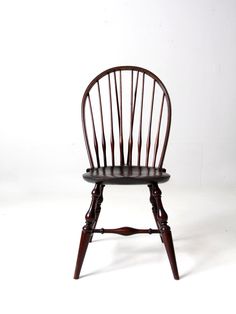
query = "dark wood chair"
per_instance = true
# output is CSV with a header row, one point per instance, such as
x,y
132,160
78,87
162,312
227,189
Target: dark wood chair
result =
x,y
126,105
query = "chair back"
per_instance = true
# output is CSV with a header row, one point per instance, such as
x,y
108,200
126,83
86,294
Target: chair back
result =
x,y
126,117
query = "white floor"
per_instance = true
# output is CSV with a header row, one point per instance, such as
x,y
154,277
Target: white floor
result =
x,y
39,236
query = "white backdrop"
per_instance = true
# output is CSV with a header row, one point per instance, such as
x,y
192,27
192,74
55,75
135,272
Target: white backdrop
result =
x,y
50,50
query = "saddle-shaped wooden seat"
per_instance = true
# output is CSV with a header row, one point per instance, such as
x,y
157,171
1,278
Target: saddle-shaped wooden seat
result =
x,y
125,175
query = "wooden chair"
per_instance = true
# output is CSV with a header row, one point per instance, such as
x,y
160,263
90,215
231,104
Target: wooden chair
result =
x,y
126,106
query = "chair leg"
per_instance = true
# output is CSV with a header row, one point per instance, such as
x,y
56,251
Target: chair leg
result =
x,y
165,231
155,211
87,231
97,211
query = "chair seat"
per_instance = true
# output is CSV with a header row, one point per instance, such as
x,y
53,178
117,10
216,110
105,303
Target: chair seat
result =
x,y
125,175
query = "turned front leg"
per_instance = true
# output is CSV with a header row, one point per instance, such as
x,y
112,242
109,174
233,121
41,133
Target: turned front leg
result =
x,y
97,210
161,218
90,221
155,209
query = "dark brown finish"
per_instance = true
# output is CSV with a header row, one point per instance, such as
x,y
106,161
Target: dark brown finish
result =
x,y
111,117
106,169
161,220
158,133
140,123
132,112
126,231
102,123
94,137
91,220
117,83
126,175
97,209
119,113
150,126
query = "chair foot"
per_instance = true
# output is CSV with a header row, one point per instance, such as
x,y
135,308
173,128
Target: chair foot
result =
x,y
165,232
84,241
91,218
168,242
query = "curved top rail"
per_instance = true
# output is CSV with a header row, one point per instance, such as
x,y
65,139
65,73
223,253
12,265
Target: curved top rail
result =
x,y
115,73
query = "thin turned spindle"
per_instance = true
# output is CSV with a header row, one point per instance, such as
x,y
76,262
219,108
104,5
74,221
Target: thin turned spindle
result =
x,y
90,157
120,117
102,124
150,126
119,113
111,119
117,99
121,124
94,133
132,112
140,123
158,132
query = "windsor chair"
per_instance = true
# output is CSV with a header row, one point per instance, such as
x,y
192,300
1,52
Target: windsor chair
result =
x,y
113,98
